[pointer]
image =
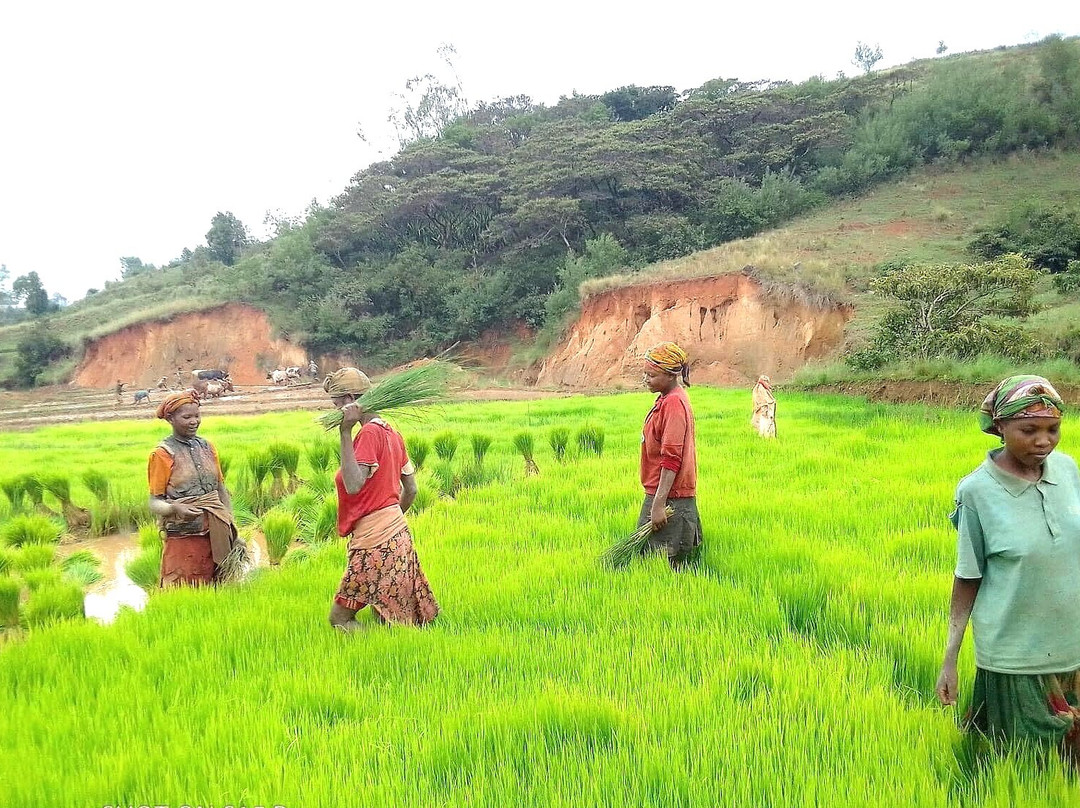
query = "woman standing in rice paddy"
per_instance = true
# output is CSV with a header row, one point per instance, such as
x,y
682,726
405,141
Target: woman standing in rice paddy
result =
x,y
1018,574
764,415
669,459
188,495
375,486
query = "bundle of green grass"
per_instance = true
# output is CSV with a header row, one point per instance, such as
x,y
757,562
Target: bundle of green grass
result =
x,y
626,550
420,386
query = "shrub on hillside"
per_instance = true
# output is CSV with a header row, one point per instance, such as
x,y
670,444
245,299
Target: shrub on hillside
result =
x,y
1048,236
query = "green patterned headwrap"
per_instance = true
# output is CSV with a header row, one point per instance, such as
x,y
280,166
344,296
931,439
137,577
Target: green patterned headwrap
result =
x,y
1019,397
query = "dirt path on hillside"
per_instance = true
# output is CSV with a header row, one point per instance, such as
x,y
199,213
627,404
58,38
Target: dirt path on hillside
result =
x,y
939,394
69,405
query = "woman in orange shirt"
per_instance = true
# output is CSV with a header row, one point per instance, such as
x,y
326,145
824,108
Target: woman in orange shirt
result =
x,y
669,458
188,495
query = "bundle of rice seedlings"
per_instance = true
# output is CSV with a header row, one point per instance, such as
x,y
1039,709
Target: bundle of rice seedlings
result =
x,y
225,461
323,525
145,569
6,559
235,565
279,529
32,557
261,465
97,483
83,567
10,589
559,439
446,479
302,504
420,386
35,492
523,442
45,576
59,601
418,450
286,459
445,445
480,446
591,439
129,508
30,529
150,535
321,483
78,519
297,555
425,498
320,454
626,550
12,488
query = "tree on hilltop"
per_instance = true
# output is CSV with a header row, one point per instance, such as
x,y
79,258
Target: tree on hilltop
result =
x,y
226,237
29,290
866,57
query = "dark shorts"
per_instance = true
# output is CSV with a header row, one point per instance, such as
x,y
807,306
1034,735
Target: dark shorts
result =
x,y
680,538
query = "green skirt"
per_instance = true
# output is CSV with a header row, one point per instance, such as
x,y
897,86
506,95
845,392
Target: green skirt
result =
x,y
1016,707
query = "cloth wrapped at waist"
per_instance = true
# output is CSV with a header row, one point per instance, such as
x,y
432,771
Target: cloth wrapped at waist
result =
x,y
222,530
377,527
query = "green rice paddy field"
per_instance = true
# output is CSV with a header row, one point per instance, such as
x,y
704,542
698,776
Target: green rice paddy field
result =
x,y
794,667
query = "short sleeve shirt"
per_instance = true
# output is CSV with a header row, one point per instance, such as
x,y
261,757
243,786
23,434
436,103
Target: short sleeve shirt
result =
x,y
1022,539
382,449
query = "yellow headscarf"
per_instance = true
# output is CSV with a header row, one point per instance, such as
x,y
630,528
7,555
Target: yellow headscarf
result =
x,y
670,358
346,382
173,402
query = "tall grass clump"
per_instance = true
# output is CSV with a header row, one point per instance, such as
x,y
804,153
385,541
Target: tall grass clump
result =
x,y
279,529
590,440
30,529
559,439
445,445
225,462
260,465
83,567
54,602
150,536
446,479
418,450
302,503
44,576
480,445
35,492
420,386
523,442
6,559
320,454
10,590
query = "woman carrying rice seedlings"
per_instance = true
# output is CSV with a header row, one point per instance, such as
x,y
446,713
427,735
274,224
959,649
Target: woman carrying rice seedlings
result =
x,y
669,459
188,495
1017,574
763,418
375,486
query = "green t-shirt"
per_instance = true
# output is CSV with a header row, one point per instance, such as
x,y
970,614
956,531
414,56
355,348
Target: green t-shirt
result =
x,y
1023,540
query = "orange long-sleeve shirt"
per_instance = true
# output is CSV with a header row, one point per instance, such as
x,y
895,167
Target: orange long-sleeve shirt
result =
x,y
667,442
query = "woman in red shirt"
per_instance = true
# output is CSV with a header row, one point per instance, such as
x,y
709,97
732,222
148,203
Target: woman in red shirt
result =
x,y
375,486
668,458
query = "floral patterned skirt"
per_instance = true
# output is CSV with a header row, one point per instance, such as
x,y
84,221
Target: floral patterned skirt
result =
x,y
389,579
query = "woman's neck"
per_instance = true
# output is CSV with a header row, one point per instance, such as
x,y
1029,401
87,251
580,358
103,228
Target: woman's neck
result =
x,y
1006,461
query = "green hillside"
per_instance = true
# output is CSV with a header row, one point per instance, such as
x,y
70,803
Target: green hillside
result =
x,y
500,217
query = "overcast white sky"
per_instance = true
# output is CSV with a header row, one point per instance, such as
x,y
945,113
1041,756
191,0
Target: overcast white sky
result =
x,y
124,126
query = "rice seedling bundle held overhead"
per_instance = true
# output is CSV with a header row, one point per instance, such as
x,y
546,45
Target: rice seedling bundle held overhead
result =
x,y
420,386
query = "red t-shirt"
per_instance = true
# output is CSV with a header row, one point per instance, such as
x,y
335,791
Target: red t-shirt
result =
x,y
378,446
667,442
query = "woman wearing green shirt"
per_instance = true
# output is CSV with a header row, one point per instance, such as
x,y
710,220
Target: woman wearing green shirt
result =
x,y
1018,573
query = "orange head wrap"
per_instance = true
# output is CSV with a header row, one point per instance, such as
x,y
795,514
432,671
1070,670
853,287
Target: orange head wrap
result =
x,y
175,401
670,358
